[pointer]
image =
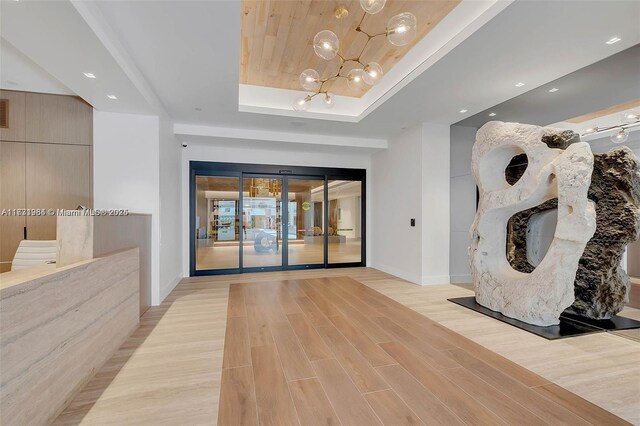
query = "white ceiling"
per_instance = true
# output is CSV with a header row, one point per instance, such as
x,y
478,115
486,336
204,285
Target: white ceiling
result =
x,y
612,81
180,55
18,72
56,38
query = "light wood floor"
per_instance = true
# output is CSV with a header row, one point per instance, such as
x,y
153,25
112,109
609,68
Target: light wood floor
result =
x,y
169,372
333,351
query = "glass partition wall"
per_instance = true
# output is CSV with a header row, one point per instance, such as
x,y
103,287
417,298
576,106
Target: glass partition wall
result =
x,y
345,211
217,223
282,217
305,243
261,222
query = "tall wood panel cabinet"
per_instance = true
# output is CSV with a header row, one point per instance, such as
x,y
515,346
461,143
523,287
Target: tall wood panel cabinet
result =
x,y
45,163
12,196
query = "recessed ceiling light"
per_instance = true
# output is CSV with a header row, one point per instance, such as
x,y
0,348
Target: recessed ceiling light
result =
x,y
198,109
112,97
555,89
613,40
519,84
462,111
492,114
89,74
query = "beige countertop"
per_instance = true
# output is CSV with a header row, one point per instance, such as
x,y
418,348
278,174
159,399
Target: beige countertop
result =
x,y
21,276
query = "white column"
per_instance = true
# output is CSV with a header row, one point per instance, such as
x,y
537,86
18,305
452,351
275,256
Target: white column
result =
x,y
435,167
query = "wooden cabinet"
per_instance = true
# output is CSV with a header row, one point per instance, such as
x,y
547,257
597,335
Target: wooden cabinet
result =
x,y
12,196
14,111
58,119
45,163
57,176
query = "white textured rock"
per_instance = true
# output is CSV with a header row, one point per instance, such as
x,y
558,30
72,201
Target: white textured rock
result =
x,y
541,296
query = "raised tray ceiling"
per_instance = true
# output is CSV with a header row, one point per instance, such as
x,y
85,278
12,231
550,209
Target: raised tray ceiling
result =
x,y
277,38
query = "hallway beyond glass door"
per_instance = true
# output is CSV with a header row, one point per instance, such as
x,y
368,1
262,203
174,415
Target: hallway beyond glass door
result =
x,y
305,242
250,218
262,222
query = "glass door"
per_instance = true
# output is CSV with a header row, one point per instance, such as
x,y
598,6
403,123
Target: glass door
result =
x,y
250,218
262,226
345,221
305,222
217,223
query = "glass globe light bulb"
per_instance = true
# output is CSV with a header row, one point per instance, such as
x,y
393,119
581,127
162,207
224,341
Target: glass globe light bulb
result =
x,y
310,80
620,136
372,73
630,117
372,6
302,103
402,28
328,99
355,78
326,44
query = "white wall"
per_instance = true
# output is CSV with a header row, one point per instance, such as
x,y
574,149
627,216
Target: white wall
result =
x,y
462,202
126,170
349,216
411,180
435,203
288,154
397,179
171,211
137,167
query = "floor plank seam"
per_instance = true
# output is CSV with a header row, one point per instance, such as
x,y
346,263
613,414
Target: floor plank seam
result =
x,y
420,312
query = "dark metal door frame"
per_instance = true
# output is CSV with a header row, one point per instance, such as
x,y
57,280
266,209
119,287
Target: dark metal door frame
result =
x,y
200,168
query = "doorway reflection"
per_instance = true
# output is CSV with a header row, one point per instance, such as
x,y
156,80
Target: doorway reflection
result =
x,y
261,222
345,207
305,235
217,222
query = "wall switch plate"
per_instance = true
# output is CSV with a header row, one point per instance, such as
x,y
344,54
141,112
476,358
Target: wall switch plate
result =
x,y
413,222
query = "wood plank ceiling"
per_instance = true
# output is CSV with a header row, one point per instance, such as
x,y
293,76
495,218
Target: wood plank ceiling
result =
x,y
277,38
604,112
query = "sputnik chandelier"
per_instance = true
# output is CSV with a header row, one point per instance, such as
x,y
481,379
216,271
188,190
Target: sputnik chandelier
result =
x,y
629,119
400,30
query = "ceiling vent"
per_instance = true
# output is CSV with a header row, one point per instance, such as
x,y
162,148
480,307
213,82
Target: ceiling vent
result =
x,y
4,113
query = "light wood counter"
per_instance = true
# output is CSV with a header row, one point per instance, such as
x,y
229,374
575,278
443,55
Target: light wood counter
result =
x,y
85,237
57,328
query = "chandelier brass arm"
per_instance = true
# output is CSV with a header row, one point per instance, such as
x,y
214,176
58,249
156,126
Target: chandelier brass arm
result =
x,y
401,29
630,119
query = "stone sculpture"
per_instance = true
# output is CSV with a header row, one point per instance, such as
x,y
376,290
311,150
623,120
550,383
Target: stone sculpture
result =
x,y
601,286
538,297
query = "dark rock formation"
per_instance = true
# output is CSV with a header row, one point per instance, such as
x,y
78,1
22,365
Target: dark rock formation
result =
x,y
601,286
560,139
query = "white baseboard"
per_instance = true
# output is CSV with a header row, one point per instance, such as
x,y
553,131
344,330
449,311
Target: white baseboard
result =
x,y
398,273
165,290
435,279
416,279
461,279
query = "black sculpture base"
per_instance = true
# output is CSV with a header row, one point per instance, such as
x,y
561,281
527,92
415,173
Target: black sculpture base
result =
x,y
570,325
614,324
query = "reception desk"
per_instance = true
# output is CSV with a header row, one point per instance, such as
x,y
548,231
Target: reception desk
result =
x,y
87,237
58,325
